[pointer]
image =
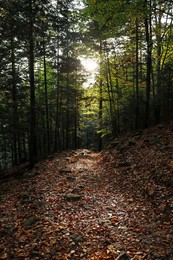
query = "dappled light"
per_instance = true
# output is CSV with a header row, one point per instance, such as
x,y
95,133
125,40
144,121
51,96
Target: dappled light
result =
x,y
91,65
86,131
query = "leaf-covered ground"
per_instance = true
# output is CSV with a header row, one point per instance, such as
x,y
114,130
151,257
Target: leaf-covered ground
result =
x,y
117,204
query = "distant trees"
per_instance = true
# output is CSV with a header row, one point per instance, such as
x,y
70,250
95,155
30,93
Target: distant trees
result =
x,y
137,40
43,107
40,80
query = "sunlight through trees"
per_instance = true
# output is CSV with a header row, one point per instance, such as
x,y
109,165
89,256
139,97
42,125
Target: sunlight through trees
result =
x,y
73,75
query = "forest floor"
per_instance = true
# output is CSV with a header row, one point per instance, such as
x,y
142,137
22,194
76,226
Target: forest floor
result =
x,y
80,204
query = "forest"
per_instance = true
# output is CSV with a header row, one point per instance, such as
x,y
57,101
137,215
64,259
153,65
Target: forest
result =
x,y
86,130
44,106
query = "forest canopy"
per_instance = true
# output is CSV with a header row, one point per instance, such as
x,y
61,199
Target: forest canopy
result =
x,y
44,107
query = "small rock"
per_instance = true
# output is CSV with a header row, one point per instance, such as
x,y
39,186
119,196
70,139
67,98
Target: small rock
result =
x,y
65,232
35,253
71,178
162,207
73,196
65,170
30,221
100,221
86,206
81,187
104,222
124,164
77,238
118,247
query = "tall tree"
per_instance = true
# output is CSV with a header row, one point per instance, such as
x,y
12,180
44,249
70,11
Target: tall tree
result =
x,y
148,35
33,144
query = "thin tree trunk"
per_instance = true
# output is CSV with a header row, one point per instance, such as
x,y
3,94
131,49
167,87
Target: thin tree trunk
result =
x,y
14,96
158,70
57,122
76,124
46,99
100,101
112,99
148,33
67,112
33,147
137,76
110,107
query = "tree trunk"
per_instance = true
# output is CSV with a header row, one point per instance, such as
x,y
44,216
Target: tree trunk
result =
x,y
112,98
58,90
33,146
14,97
100,101
46,100
148,33
158,69
137,76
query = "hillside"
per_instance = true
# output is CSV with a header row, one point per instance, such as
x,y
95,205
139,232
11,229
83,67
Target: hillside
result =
x,y
117,204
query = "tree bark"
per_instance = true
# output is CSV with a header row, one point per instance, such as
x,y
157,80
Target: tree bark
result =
x,y
46,99
14,96
158,68
33,146
100,144
137,76
148,33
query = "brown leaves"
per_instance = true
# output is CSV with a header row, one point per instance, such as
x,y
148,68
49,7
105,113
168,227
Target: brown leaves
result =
x,y
106,214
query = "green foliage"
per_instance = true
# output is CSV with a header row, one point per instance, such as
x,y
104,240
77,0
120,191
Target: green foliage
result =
x,y
66,114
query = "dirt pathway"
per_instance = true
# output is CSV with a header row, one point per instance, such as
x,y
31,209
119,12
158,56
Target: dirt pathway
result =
x,y
69,208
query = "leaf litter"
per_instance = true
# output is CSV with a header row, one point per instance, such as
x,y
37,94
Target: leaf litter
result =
x,y
81,204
